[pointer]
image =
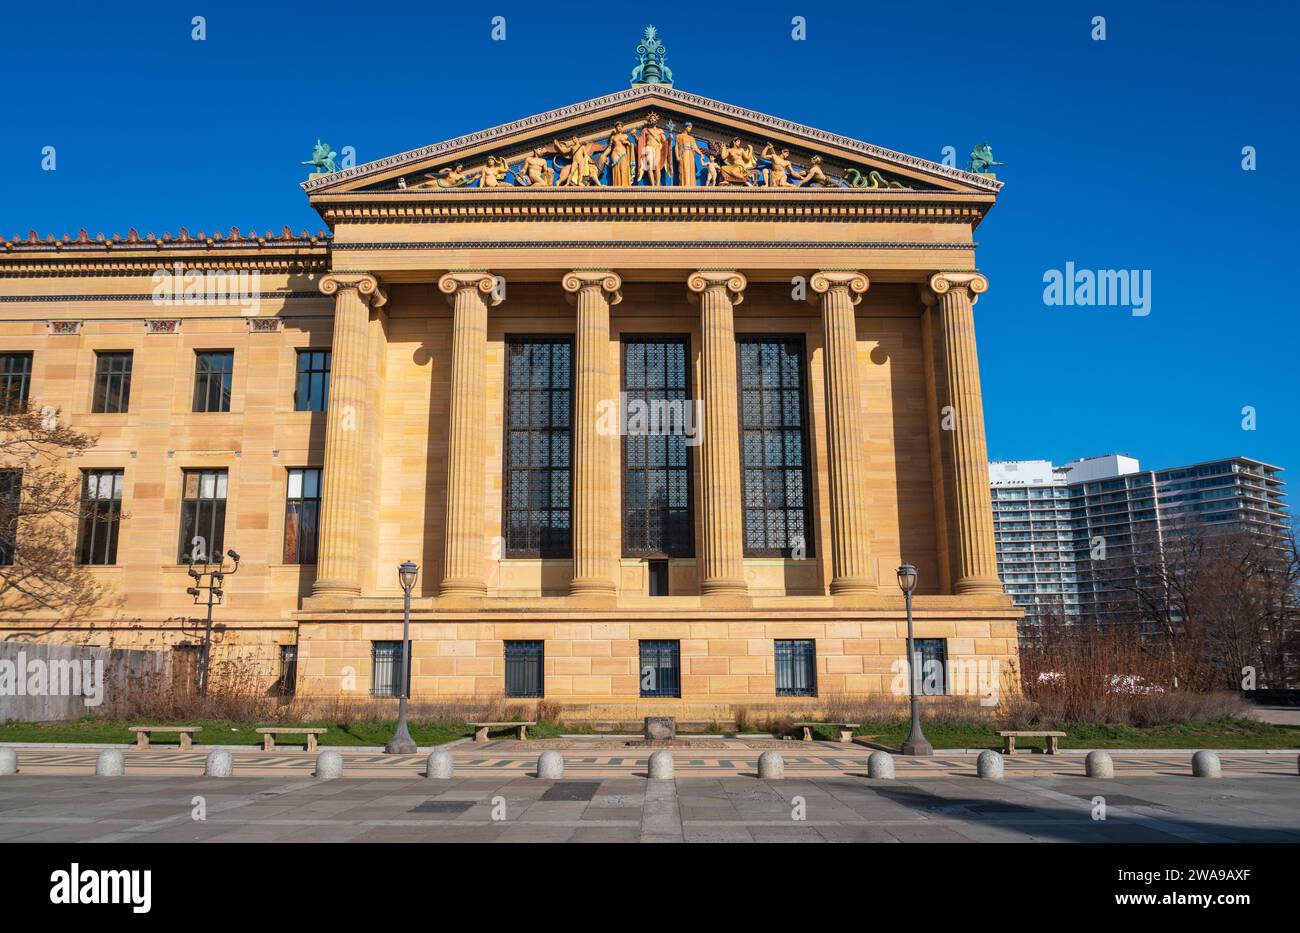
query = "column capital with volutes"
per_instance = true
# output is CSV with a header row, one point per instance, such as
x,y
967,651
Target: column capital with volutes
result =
x,y
824,281
366,286
484,282
609,283
703,280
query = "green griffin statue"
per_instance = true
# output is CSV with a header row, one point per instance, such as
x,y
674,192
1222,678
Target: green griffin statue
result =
x,y
322,157
981,158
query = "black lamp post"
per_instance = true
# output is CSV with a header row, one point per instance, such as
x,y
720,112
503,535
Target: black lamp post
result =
x,y
215,589
916,743
401,743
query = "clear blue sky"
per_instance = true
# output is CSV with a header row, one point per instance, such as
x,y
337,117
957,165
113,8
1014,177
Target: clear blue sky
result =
x,y
1119,154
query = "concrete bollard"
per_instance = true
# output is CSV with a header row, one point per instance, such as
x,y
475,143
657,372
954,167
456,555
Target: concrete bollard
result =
x,y
1206,764
218,764
1099,765
110,763
329,765
989,765
550,766
771,767
880,765
439,766
8,761
661,766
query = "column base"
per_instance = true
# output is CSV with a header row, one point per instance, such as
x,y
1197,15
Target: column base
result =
x,y
724,586
603,589
978,585
854,586
462,587
336,588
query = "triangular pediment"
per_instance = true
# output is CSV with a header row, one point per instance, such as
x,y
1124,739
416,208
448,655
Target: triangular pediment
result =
x,y
584,146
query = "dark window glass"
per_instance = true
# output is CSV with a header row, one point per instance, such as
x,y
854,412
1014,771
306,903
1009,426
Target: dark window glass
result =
x,y
15,381
213,371
101,516
661,669
288,683
930,666
385,669
112,382
312,392
774,447
302,516
539,479
203,516
524,668
656,458
11,486
658,578
796,668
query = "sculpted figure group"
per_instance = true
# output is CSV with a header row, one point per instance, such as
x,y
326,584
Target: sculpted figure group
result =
x,y
653,156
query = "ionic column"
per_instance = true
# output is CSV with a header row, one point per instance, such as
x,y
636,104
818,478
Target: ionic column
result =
x,y
593,453
974,566
469,294
851,570
722,570
338,568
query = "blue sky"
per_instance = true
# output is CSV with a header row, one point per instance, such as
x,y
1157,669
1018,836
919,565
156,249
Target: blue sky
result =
x,y
1120,154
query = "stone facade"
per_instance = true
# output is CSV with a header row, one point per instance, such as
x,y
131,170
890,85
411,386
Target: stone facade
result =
x,y
416,291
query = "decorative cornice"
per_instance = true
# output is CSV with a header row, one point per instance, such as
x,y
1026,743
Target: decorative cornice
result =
x,y
182,239
648,93
365,285
653,244
609,283
61,299
733,282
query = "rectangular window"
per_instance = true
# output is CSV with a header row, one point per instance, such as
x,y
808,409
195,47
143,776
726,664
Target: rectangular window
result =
x,y
213,372
930,666
658,577
656,461
385,669
15,381
774,447
539,478
661,669
112,382
288,683
524,668
302,516
101,516
203,516
796,667
312,392
11,486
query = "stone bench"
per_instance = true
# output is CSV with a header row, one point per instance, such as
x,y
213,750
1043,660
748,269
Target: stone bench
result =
x,y
268,734
186,733
846,729
1010,737
481,728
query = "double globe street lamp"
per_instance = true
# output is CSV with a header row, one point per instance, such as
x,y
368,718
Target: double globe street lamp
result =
x,y
916,743
401,743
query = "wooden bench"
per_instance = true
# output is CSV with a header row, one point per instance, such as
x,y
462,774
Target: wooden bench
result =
x,y
186,733
268,734
481,728
846,729
1052,739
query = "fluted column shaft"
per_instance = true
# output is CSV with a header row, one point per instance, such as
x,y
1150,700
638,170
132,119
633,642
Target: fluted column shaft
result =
x,y
722,570
463,557
593,452
974,566
852,572
338,567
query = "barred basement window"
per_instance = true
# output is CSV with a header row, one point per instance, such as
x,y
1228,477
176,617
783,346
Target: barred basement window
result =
x,y
661,669
203,516
302,516
101,516
288,682
312,392
213,372
774,445
656,459
15,381
930,666
11,485
796,668
112,382
538,475
385,667
525,663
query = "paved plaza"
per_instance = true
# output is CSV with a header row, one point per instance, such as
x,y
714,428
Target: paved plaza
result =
x,y
606,797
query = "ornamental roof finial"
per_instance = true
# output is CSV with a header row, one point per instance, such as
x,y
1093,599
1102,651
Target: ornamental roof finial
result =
x,y
650,54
